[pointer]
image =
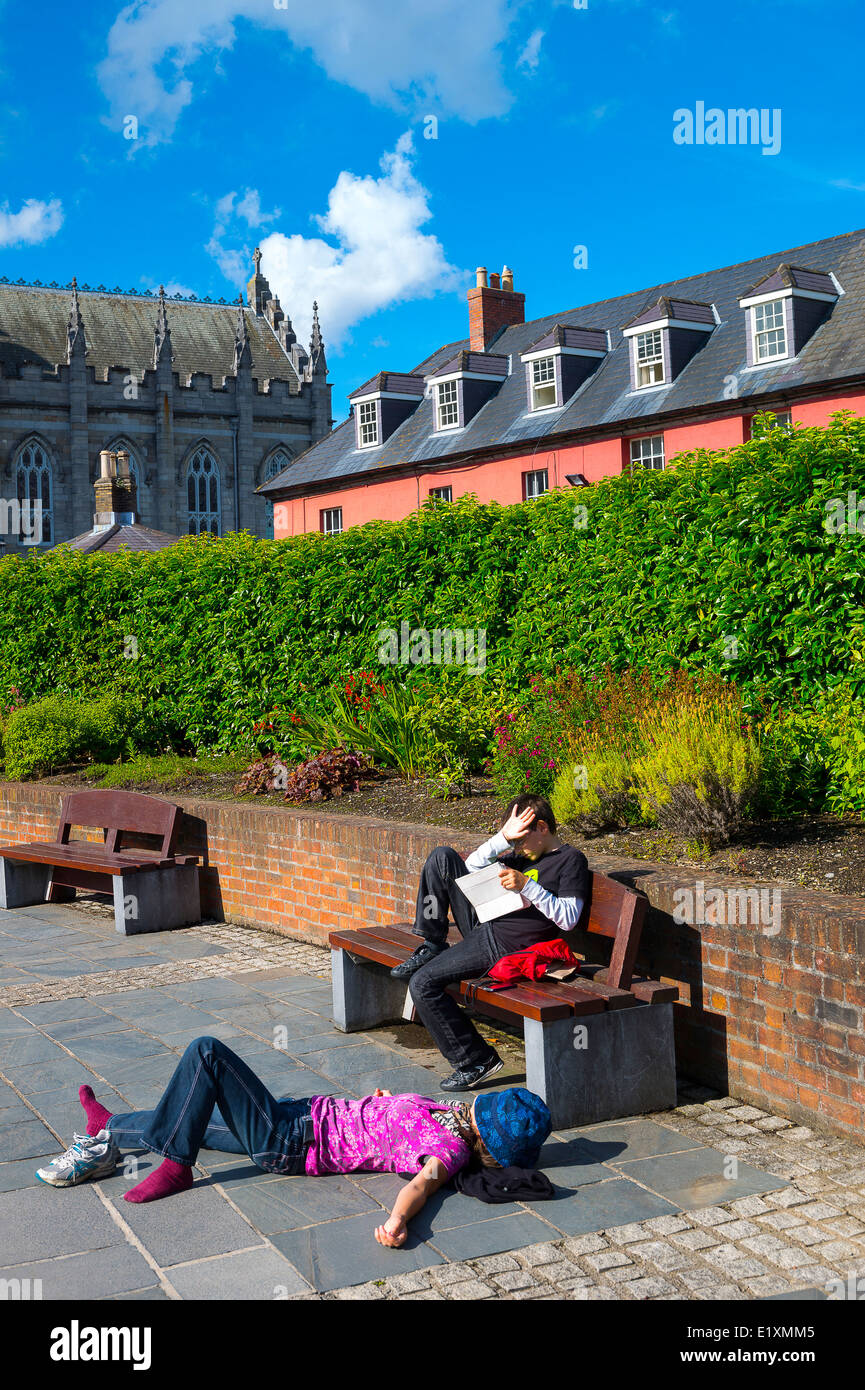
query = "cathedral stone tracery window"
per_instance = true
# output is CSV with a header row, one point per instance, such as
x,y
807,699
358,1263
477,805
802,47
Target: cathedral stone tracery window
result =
x,y
202,488
274,465
34,490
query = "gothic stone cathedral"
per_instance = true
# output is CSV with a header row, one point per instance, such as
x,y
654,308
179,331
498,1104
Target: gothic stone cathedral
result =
x,y
209,399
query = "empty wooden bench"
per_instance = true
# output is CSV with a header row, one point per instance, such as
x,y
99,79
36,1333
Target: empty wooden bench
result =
x,y
153,887
597,1048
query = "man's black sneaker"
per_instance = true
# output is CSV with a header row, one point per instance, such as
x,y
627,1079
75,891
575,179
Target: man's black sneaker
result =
x,y
467,1079
420,956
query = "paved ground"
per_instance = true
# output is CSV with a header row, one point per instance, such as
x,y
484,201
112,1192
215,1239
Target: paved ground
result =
x,y
713,1201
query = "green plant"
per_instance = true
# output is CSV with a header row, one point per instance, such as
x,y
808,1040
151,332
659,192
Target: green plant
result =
x,y
669,567
597,791
59,731
164,769
700,772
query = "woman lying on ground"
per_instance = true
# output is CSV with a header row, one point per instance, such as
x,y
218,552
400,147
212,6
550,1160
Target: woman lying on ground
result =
x,y
214,1100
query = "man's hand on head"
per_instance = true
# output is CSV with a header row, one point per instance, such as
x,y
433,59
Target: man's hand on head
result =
x,y
518,825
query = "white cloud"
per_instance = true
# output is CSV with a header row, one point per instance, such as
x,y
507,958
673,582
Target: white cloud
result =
x,y
375,254
530,55
35,221
235,262
413,55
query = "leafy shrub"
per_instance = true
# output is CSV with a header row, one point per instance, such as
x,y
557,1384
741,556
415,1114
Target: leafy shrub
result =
x,y
599,790
166,769
700,772
329,774
669,565
60,731
845,716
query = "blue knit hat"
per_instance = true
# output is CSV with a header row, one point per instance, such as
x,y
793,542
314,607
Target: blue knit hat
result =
x,y
513,1124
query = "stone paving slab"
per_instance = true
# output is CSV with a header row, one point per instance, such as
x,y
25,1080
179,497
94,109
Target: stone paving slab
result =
x,y
92,1274
253,1274
648,1208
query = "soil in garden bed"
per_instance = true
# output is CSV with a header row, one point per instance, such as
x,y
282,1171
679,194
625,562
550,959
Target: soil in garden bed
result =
x,y
819,852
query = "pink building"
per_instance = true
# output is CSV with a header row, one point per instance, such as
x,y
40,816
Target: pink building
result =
x,y
518,408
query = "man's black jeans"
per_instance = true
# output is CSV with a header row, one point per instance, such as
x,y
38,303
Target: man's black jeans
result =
x,y
453,1033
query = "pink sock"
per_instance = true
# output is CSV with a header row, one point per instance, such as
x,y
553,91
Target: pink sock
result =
x,y
97,1115
169,1177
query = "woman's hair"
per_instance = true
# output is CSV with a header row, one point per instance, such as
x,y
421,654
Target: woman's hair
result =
x,y
463,1113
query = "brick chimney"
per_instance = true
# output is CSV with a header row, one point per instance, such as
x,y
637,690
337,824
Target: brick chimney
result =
x,y
493,306
116,502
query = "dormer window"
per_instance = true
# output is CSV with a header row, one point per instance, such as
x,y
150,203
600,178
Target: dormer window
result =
x,y
784,309
367,424
664,338
650,358
544,391
463,384
382,404
770,331
558,363
447,405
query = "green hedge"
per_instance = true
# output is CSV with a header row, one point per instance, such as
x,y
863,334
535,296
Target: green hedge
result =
x,y
670,569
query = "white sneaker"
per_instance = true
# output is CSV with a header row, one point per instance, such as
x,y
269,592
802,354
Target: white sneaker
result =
x,y
88,1156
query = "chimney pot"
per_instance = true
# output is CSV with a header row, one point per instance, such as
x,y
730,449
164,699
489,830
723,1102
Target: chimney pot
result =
x,y
105,463
122,463
492,307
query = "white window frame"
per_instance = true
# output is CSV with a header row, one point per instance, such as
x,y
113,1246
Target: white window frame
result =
x,y
652,457
330,521
369,428
447,405
437,494
543,376
530,486
649,359
766,331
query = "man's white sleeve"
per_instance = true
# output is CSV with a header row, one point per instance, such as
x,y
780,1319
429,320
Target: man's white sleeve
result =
x,y
564,913
488,853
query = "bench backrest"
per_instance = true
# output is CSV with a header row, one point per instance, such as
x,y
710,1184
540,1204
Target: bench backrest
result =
x,y
617,912
117,813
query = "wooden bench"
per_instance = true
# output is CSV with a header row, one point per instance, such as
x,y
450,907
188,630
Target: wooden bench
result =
x,y
597,1048
154,888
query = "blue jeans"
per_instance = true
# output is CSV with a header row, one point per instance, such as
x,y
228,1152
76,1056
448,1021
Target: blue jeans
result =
x,y
214,1100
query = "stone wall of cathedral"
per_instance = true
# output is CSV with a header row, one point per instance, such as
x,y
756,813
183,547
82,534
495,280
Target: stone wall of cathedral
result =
x,y
65,418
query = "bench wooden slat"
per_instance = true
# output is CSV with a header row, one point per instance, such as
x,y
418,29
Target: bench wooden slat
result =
x,y
387,946
552,1003
648,991
82,855
581,991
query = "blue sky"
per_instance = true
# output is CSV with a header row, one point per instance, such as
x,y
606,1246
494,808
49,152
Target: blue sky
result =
x,y
302,127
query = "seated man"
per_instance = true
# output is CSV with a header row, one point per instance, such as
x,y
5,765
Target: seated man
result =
x,y
552,879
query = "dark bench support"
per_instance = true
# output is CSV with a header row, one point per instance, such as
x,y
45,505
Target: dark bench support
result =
x,y
625,1064
363,995
157,901
23,884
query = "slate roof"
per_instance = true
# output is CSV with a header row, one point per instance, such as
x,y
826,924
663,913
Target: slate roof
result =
x,y
605,401
112,538
118,330
665,308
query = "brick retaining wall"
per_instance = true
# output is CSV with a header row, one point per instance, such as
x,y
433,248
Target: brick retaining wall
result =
x,y
771,1012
